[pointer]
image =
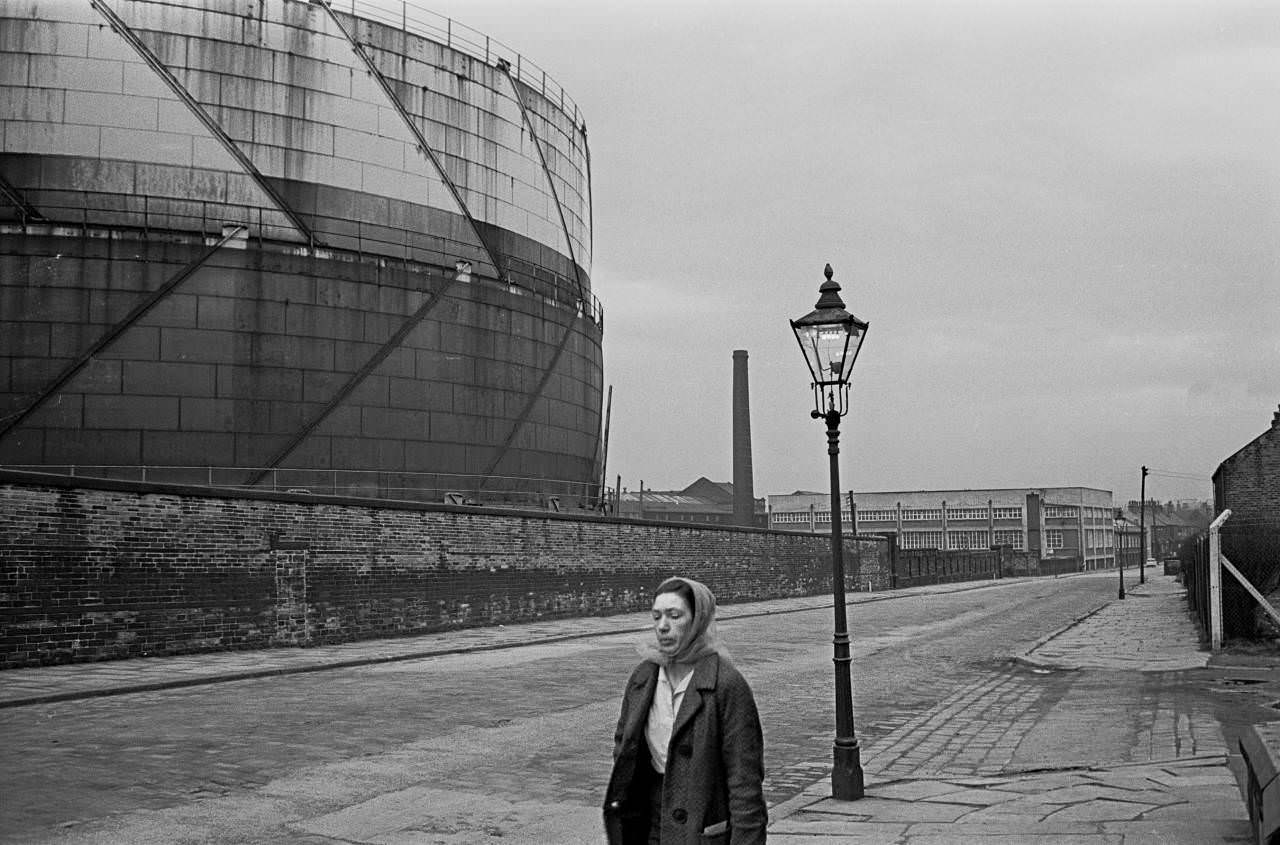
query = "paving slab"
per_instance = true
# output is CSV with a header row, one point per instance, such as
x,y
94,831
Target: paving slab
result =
x,y
861,836
886,810
1083,811
955,837
914,790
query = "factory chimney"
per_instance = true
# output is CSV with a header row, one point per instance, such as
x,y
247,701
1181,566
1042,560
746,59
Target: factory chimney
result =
x,y
744,497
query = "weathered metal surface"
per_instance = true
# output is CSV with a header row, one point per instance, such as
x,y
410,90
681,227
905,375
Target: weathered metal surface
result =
x,y
149,140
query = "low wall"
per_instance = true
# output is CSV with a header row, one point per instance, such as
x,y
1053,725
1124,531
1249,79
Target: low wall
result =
x,y
97,570
915,567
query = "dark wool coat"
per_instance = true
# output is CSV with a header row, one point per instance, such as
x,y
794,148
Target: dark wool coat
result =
x,y
715,763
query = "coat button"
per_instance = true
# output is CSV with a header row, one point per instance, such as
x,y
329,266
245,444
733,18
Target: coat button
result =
x,y
615,805
679,814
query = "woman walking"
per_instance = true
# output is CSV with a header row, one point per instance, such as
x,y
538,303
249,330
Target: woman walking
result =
x,y
688,756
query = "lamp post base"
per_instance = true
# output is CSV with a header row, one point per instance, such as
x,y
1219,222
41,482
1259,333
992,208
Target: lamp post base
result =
x,y
846,773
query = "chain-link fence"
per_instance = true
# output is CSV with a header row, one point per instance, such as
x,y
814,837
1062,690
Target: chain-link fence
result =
x,y
1254,548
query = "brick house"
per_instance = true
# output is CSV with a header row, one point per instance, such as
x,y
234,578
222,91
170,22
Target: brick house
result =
x,y
1168,532
1248,482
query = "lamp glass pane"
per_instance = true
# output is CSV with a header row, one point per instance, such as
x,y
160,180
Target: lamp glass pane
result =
x,y
856,334
826,347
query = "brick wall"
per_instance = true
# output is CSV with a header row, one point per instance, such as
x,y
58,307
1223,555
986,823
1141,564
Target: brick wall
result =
x,y
914,567
98,570
1248,482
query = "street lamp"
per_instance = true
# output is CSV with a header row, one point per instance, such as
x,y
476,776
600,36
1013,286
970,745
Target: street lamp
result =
x,y
830,338
1119,555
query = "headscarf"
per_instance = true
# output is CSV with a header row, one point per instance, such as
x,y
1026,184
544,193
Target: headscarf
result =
x,y
702,637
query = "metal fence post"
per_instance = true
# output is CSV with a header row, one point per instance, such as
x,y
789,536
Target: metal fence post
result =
x,y
893,561
1215,581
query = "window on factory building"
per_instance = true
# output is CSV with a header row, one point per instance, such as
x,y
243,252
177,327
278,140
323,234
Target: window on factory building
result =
x,y
922,539
1008,513
967,540
920,515
967,513
1053,538
1009,538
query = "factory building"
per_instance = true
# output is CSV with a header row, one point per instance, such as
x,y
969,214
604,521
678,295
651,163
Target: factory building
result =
x,y
1054,521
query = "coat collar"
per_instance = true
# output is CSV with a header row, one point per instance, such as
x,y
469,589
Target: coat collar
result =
x,y
706,673
640,695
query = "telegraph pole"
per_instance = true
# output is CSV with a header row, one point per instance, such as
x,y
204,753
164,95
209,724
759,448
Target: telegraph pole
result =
x,y
1142,523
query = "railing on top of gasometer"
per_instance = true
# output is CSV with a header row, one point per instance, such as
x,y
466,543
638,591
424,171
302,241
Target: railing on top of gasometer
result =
x,y
442,29
492,491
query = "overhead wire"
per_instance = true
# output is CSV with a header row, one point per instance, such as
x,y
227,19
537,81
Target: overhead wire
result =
x,y
1168,473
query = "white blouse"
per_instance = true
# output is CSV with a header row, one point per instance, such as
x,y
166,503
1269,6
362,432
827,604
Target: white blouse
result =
x,y
662,717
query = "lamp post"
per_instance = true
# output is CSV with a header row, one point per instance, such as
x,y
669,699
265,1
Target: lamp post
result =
x,y
1119,555
830,337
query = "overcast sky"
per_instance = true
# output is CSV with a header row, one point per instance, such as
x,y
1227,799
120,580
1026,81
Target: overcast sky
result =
x,y
1062,221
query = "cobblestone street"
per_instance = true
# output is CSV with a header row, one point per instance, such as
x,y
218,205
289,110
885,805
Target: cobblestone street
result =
x,y
513,739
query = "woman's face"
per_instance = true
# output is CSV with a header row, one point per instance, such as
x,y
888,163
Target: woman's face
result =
x,y
671,620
